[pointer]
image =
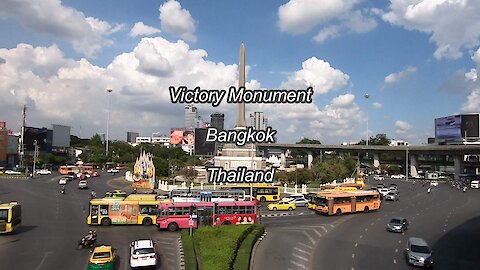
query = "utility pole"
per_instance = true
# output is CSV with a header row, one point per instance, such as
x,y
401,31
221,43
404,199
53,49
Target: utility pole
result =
x,y
108,120
35,155
21,145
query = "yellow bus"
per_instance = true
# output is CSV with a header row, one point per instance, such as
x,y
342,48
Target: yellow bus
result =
x,y
337,203
10,216
261,191
109,211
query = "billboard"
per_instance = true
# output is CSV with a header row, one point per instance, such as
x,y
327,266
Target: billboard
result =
x,y
181,136
3,125
448,127
40,135
470,125
202,147
60,136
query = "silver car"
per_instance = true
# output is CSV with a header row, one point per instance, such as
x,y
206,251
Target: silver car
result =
x,y
392,196
418,252
82,184
299,201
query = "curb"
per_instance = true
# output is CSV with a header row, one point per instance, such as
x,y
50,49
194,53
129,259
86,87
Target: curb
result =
x,y
284,214
182,255
15,177
254,249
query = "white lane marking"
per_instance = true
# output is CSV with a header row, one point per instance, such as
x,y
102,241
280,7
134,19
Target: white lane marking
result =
x,y
394,261
305,245
300,257
301,250
353,255
361,236
371,224
399,241
396,250
356,244
309,237
298,264
319,234
45,255
366,229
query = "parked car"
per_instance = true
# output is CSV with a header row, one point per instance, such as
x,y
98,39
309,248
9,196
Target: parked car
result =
x,y
82,184
378,177
434,184
397,224
44,172
392,196
103,257
418,252
62,181
142,254
281,205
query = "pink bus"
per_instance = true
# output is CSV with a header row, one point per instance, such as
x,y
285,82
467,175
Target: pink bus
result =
x,y
176,215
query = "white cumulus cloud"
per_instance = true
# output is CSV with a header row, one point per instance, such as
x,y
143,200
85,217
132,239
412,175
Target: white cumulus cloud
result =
x,y
377,105
473,102
451,24
141,29
471,75
177,21
333,17
86,34
396,77
318,74
402,127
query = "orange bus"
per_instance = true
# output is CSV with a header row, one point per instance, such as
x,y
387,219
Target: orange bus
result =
x,y
337,203
68,169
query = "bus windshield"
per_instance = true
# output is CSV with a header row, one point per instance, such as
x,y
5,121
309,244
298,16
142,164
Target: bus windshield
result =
x,y
4,215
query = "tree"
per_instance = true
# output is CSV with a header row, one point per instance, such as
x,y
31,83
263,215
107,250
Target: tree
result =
x,y
189,174
379,139
308,141
298,154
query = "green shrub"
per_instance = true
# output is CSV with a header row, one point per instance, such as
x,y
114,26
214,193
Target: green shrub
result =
x,y
217,246
189,251
242,261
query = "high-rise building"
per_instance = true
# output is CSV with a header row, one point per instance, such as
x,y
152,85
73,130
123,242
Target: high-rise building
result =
x,y
190,117
132,136
258,121
217,120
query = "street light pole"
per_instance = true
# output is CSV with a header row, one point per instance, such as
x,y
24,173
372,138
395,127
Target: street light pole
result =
x,y
367,96
108,120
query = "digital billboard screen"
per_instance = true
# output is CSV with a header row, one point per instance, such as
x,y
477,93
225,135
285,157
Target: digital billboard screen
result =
x,y
40,135
470,125
448,127
176,136
202,147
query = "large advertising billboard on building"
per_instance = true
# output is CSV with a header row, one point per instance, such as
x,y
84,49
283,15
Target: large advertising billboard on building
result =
x,y
182,136
470,125
41,136
448,127
60,136
202,147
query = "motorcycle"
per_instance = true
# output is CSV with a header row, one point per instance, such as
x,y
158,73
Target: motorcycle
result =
x,y
86,243
429,190
464,189
62,191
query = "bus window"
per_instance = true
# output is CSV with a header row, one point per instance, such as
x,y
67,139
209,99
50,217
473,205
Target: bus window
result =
x,y
4,215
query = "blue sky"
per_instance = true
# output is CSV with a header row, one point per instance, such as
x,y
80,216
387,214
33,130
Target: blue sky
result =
x,y
417,60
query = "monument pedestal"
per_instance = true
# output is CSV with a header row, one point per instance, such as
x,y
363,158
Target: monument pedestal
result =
x,y
234,156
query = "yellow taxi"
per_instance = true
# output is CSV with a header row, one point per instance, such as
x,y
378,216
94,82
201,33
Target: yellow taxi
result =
x,y
282,205
116,194
102,258
311,205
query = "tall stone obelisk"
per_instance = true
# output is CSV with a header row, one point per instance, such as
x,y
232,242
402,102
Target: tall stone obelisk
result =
x,y
241,83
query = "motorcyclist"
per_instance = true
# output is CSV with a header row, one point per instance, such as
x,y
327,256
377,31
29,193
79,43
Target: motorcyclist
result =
x,y
90,237
429,189
93,194
63,190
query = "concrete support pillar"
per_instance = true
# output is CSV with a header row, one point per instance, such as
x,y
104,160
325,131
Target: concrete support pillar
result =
x,y
283,160
284,188
296,189
376,160
413,165
458,164
309,159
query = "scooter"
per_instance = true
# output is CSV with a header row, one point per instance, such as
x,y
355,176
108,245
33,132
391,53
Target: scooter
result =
x,y
84,243
429,190
464,189
62,191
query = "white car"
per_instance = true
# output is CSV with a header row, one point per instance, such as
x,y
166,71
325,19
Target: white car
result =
x,y
434,184
12,172
293,196
384,191
82,184
299,201
475,184
62,181
44,172
143,254
397,176
113,170
378,178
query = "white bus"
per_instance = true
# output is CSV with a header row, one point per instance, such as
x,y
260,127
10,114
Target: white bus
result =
x,y
202,195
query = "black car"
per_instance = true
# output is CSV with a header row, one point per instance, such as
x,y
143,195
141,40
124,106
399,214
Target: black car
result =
x,y
397,224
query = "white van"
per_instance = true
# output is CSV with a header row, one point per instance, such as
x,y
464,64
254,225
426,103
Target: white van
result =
x,y
475,184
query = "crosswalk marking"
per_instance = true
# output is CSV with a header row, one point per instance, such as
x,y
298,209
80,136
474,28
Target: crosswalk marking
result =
x,y
301,250
300,257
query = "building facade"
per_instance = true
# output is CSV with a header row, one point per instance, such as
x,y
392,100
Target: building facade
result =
x,y
191,115
217,120
132,136
258,121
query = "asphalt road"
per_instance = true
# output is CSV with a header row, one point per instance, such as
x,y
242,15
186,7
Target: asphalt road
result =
x,y
447,219
52,223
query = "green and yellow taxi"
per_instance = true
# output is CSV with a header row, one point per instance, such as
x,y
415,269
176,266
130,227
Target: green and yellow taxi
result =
x,y
282,205
116,194
102,258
